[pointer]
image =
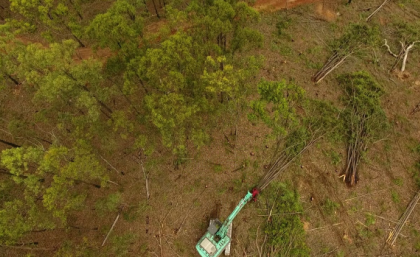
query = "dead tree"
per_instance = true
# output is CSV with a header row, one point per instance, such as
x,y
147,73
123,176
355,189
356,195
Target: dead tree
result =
x,y
408,35
403,54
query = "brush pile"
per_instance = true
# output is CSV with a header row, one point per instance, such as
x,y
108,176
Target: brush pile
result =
x,y
356,38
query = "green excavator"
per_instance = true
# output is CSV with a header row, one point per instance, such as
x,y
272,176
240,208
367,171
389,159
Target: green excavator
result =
x,y
218,235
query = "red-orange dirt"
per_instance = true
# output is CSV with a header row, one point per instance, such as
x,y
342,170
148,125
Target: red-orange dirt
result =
x,y
324,9
274,5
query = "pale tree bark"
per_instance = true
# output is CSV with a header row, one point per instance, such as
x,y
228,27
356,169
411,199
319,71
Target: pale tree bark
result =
x,y
377,10
406,54
403,54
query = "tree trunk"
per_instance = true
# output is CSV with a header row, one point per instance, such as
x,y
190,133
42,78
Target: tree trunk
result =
x,y
154,5
2,171
11,78
406,54
74,7
46,141
104,106
78,40
9,143
145,6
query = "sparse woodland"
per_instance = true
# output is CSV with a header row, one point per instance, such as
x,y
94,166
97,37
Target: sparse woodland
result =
x,y
126,125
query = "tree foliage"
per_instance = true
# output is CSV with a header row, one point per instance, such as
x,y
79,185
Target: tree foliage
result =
x,y
47,180
363,100
49,17
408,32
277,105
9,50
227,22
60,81
121,26
192,72
284,233
355,37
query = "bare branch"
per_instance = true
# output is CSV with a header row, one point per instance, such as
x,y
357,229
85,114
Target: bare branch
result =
x,y
110,165
406,50
389,49
109,232
377,10
146,177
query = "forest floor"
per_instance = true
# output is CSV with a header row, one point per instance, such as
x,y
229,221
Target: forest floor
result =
x,y
210,182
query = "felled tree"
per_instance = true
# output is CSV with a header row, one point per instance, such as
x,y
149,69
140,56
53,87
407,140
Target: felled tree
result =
x,y
43,187
295,122
364,119
356,38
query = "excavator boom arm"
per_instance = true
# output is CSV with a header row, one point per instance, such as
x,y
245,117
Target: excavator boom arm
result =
x,y
223,229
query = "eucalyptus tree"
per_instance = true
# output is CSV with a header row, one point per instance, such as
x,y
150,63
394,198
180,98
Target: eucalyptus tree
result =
x,y
50,18
120,27
44,186
225,22
183,82
60,80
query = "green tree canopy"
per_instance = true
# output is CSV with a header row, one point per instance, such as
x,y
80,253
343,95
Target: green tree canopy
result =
x,y
50,17
181,84
224,22
120,27
47,180
277,104
61,81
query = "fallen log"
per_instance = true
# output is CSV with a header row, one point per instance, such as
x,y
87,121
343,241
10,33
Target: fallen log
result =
x,y
393,235
376,10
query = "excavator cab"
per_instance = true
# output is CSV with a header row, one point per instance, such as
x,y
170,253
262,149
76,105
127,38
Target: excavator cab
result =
x,y
218,235
212,244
